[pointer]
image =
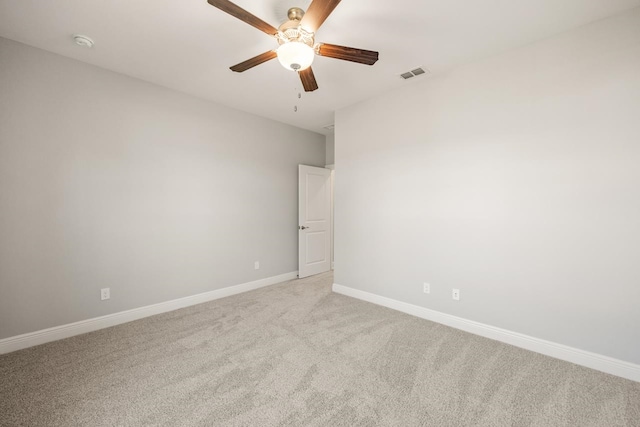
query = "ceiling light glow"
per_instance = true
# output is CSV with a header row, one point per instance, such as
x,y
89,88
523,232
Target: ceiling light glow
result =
x,y
296,56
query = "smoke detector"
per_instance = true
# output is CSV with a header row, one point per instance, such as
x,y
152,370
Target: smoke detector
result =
x,y
83,41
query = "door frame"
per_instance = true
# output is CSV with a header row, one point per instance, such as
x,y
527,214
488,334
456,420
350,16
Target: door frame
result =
x,y
333,173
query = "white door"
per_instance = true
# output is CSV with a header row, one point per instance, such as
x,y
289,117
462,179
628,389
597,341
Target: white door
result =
x,y
314,220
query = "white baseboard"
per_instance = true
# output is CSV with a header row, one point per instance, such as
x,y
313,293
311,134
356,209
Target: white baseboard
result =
x,y
595,361
30,339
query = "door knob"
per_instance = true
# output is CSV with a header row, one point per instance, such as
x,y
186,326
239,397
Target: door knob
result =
x,y
302,227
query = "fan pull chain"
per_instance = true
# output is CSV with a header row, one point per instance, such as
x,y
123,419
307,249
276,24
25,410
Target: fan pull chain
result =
x,y
295,107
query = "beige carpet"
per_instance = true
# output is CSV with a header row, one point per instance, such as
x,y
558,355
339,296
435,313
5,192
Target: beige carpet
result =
x,y
295,354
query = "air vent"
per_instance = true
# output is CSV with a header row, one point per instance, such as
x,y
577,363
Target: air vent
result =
x,y
413,73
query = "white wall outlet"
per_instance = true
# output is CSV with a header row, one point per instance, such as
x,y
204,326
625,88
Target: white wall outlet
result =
x,y
256,265
455,294
105,293
426,288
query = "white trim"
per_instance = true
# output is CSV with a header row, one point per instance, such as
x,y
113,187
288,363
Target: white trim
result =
x,y
30,339
599,362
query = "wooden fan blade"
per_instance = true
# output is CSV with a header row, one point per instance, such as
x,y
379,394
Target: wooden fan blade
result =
x,y
352,54
235,10
256,60
308,80
317,13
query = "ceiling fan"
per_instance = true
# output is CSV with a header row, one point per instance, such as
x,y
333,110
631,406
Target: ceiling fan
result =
x,y
296,39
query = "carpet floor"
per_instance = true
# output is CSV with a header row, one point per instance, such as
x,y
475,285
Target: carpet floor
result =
x,y
296,354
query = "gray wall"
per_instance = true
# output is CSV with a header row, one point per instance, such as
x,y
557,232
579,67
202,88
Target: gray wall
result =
x,y
331,143
515,179
108,181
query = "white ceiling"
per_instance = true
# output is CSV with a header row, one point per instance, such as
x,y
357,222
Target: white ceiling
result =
x,y
188,45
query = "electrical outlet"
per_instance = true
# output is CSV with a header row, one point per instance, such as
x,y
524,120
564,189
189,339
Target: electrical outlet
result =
x,y
455,294
256,265
105,293
426,288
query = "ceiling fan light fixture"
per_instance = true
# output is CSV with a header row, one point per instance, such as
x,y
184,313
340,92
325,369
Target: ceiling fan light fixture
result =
x,y
295,55
297,41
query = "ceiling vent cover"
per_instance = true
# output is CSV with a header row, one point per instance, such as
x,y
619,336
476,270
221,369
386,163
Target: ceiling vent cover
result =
x,y
415,72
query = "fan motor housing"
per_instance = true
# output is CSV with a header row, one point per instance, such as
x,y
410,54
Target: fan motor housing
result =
x,y
291,31
295,14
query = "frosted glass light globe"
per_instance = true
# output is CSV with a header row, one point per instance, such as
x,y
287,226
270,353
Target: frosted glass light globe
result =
x,y
295,56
